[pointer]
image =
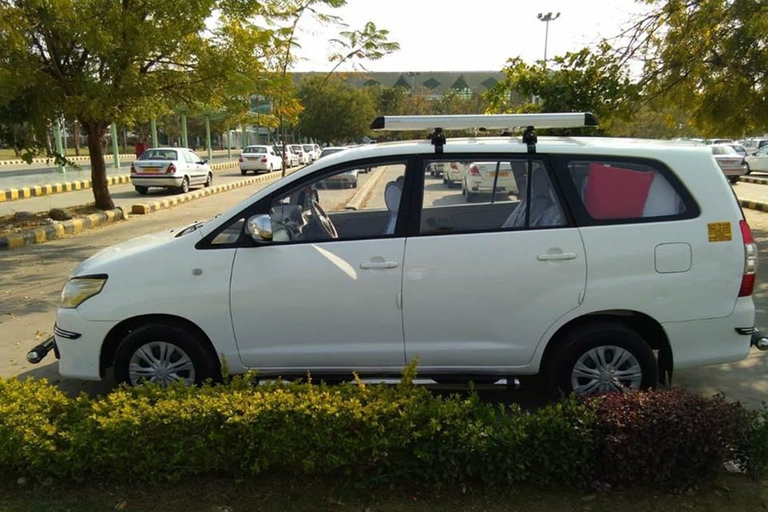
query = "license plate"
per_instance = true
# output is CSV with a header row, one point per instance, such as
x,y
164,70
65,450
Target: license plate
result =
x,y
503,174
150,169
250,159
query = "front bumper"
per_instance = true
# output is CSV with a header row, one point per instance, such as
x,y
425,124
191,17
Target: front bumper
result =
x,y
156,181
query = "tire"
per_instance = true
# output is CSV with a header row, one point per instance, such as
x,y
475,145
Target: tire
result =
x,y
354,185
471,197
172,345
209,181
733,179
271,168
243,172
583,346
141,190
184,188
749,171
448,183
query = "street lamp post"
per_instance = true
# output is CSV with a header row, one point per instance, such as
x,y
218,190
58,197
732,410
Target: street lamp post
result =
x,y
546,18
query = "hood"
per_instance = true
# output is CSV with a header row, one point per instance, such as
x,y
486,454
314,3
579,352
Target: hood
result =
x,y
99,262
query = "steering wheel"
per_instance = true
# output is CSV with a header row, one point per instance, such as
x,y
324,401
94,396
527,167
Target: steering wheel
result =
x,y
320,217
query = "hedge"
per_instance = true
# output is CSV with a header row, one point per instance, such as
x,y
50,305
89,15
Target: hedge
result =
x,y
374,433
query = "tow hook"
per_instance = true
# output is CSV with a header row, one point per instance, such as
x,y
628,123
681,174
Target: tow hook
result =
x,y
759,340
38,353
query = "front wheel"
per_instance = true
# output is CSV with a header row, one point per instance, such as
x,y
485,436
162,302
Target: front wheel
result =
x,y
209,181
602,357
163,354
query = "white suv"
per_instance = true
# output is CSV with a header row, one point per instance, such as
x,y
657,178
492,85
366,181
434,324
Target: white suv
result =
x,y
609,263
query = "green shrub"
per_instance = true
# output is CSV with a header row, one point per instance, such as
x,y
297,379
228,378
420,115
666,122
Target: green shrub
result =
x,y
374,433
672,436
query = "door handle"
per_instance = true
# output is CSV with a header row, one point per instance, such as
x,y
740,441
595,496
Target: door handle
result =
x,y
378,264
556,256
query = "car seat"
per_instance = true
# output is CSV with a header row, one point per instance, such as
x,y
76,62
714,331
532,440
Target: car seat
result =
x,y
545,210
392,194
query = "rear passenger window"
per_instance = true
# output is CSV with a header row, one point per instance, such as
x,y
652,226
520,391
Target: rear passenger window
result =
x,y
622,190
485,194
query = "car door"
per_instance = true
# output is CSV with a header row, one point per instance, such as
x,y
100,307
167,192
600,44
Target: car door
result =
x,y
760,160
200,169
483,280
318,303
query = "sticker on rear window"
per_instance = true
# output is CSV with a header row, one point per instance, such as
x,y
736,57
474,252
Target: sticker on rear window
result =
x,y
719,231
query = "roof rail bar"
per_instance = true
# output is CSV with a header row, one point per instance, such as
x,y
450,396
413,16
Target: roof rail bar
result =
x,y
484,122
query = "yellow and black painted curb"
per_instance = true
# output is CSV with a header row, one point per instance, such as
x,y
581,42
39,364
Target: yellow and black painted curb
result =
x,y
60,229
14,194
754,205
144,208
756,181
51,161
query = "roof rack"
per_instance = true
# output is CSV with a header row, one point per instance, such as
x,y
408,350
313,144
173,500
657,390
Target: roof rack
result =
x,y
484,122
505,122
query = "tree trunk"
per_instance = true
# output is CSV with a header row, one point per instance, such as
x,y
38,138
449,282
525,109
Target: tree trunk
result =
x,y
76,132
101,196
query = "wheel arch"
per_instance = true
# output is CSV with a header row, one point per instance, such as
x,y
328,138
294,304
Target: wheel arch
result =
x,y
121,330
645,326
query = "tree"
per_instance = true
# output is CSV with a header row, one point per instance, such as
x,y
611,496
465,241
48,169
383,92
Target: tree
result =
x,y
339,113
136,59
710,57
584,81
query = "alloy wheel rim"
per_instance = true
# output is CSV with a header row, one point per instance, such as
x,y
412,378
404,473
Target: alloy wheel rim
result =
x,y
162,363
606,368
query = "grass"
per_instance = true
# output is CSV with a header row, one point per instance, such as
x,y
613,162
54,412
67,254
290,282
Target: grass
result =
x,y
286,493
8,225
8,154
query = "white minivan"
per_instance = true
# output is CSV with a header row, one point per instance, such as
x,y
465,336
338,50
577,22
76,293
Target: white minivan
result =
x,y
608,263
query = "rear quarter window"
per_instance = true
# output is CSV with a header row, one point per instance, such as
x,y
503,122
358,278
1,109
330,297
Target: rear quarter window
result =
x,y
612,191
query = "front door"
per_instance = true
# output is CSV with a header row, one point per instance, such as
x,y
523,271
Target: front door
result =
x,y
323,296
488,275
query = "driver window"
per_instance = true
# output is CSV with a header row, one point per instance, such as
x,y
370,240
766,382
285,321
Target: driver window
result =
x,y
352,203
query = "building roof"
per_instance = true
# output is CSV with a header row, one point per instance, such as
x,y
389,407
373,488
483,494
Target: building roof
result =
x,y
430,83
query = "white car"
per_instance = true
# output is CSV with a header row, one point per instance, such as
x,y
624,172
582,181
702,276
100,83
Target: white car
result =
x,y
480,179
758,161
617,262
732,163
313,150
259,159
171,168
298,149
291,158
453,173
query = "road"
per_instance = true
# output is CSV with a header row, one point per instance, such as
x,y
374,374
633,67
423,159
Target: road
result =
x,y
28,175
33,276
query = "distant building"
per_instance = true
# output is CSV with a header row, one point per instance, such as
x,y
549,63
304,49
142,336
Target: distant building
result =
x,y
431,84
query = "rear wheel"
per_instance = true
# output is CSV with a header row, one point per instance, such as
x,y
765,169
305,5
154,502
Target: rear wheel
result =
x,y
184,185
142,190
243,172
163,354
602,357
748,170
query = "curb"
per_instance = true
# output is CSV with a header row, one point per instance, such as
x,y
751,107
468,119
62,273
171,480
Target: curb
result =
x,y
14,194
754,205
59,229
756,181
127,156
144,208
362,195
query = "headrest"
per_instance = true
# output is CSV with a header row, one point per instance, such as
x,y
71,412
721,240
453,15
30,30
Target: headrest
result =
x,y
392,194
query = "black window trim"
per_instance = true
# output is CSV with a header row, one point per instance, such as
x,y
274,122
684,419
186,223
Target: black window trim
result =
x,y
414,226
579,211
263,205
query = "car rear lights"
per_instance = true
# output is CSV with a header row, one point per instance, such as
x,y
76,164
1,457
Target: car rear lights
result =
x,y
264,159
240,159
750,260
474,171
133,169
171,169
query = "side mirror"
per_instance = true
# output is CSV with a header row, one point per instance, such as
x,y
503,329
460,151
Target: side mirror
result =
x,y
260,228
204,161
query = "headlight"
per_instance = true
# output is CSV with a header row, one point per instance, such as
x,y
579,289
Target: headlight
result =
x,y
79,289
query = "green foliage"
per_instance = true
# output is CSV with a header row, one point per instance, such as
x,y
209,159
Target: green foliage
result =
x,y
708,56
336,111
583,81
373,433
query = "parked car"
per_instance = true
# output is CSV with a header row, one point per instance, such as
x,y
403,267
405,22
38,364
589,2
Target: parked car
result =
x,y
617,262
346,179
290,157
436,169
331,150
172,168
740,150
313,150
259,159
732,163
453,173
753,145
758,161
710,142
299,151
479,179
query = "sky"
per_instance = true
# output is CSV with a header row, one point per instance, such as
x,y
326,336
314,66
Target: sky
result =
x,y
473,35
